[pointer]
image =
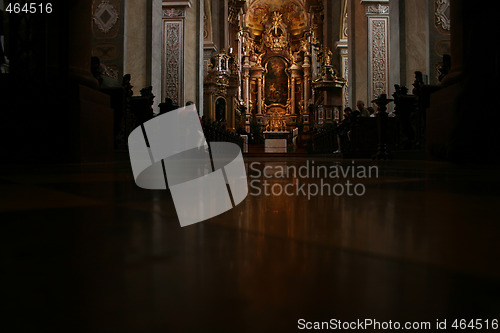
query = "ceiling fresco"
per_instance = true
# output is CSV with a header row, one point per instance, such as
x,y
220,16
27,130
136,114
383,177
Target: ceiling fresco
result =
x,y
260,12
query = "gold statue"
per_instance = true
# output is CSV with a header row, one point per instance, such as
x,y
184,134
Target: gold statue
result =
x,y
327,56
306,47
277,19
248,46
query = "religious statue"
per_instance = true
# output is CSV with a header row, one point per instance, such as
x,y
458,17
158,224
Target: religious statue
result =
x,y
277,19
295,58
327,56
259,59
268,126
305,47
312,34
248,46
276,37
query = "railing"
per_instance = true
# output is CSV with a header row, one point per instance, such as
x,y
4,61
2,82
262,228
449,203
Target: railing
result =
x,y
324,141
215,132
360,139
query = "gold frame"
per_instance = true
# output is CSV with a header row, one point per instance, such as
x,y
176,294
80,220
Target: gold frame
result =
x,y
288,101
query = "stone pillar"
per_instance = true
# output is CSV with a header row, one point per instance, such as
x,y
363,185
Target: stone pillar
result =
x,y
246,82
108,36
457,36
246,94
231,112
342,46
457,43
292,95
304,102
377,12
307,88
174,17
80,43
142,44
259,94
246,89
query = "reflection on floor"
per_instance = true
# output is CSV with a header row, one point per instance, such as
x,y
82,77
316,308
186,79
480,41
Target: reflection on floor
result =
x,y
85,250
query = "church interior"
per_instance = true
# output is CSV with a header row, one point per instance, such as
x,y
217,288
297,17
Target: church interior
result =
x,y
404,87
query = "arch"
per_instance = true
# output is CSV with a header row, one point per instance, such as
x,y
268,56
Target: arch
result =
x,y
220,110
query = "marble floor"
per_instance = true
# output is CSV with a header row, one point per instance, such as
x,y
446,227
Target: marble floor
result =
x,y
83,249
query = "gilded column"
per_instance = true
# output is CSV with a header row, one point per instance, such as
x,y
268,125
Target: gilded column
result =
x,y
307,89
259,94
294,74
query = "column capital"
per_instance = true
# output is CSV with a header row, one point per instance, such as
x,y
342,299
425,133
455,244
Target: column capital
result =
x,y
376,7
246,64
342,45
257,72
176,3
175,9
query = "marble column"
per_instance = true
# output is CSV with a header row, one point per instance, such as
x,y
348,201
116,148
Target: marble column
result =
x,y
377,13
457,43
246,95
259,94
246,89
307,88
342,47
246,82
174,17
80,43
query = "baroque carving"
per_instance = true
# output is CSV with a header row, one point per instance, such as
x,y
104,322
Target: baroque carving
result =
x,y
261,11
377,9
234,9
378,56
442,14
105,51
174,13
345,25
105,16
327,76
205,27
172,62
276,37
345,61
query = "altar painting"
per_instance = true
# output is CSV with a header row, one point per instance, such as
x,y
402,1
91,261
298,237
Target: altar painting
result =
x,y
276,82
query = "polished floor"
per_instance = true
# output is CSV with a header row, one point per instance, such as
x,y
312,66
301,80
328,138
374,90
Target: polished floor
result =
x,y
85,250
